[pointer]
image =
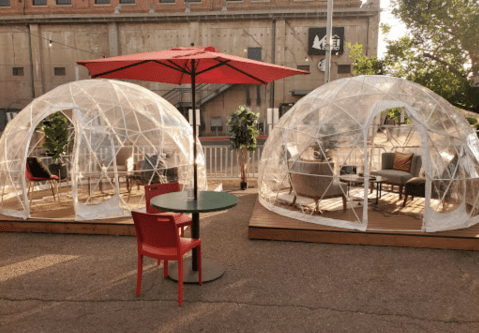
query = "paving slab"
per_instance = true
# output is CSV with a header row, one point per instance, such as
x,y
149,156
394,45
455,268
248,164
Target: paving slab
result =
x,y
86,283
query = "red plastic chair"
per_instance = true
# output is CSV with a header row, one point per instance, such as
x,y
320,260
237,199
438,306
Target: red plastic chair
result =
x,y
153,190
31,183
158,238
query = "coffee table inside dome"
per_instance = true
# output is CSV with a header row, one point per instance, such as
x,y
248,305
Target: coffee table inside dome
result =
x,y
208,201
378,180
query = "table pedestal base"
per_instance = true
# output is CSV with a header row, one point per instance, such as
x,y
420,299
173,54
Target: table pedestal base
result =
x,y
211,271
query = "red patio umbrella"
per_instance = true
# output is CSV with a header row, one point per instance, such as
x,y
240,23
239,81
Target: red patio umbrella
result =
x,y
188,65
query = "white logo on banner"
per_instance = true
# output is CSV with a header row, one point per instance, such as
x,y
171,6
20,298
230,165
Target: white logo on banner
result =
x,y
321,44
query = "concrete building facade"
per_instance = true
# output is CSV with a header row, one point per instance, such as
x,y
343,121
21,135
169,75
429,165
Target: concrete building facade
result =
x,y
41,41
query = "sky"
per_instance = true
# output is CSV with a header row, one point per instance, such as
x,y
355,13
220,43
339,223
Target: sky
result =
x,y
397,27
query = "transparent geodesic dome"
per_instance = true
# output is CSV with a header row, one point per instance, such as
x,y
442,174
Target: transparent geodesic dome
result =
x,y
121,136
344,125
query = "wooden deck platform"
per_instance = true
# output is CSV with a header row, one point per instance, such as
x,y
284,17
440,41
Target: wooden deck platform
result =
x,y
50,216
114,226
267,225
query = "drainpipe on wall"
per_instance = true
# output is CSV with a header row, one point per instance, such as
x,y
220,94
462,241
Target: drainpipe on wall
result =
x,y
329,28
273,52
31,60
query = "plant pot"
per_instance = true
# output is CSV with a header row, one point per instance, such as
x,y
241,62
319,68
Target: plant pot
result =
x,y
244,185
58,169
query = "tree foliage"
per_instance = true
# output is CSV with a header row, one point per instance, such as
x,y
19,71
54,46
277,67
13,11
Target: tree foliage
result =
x,y
56,130
441,51
471,120
242,128
362,64
243,133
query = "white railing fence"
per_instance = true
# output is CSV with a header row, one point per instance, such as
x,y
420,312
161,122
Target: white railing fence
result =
x,y
222,162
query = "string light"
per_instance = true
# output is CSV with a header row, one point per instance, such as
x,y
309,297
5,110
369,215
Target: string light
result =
x,y
50,43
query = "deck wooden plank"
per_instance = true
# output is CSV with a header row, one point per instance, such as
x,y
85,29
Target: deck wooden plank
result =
x,y
268,225
115,226
68,228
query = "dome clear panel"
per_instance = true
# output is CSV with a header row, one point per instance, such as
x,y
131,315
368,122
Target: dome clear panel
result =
x,y
121,137
331,153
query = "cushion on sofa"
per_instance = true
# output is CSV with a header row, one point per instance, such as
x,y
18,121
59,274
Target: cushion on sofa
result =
x,y
402,161
393,176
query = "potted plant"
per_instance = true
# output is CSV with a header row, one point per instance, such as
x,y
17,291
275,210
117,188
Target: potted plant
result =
x,y
56,132
242,133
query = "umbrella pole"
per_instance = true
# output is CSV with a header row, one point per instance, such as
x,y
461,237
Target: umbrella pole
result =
x,y
193,104
195,225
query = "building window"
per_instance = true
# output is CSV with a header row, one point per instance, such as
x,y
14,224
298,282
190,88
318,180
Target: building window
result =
x,y
303,67
216,125
127,1
17,71
4,3
167,1
192,0
344,69
102,2
39,2
254,53
64,2
60,71
258,95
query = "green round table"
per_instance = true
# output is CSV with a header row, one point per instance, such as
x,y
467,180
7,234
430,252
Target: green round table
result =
x,y
208,201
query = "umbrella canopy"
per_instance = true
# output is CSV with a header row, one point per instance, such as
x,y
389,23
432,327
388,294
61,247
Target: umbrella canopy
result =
x,y
183,65
188,65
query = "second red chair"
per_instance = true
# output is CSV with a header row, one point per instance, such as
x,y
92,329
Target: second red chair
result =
x,y
153,190
157,237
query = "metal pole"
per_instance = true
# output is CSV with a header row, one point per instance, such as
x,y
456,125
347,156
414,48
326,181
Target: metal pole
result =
x,y
195,224
273,52
329,28
193,102
31,58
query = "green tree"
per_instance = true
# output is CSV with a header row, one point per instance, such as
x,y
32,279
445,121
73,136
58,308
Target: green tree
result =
x,y
56,130
362,64
471,120
242,134
441,51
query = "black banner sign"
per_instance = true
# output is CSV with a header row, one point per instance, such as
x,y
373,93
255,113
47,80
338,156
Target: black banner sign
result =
x,y
317,41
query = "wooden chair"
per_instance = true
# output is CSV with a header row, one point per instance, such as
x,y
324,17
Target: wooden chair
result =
x,y
153,190
36,171
157,237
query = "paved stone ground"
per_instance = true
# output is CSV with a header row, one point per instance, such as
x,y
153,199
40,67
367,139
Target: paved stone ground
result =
x,y
78,283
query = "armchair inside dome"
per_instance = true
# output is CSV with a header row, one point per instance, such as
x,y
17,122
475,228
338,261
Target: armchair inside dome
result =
x,y
349,153
119,136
